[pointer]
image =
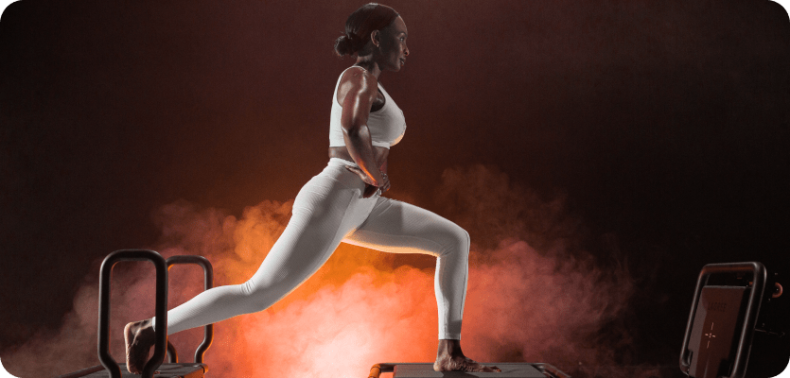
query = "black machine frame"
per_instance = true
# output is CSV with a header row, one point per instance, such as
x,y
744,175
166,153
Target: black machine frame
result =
x,y
161,347
752,310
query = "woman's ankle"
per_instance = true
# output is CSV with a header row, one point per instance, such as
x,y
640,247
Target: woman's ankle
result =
x,y
449,347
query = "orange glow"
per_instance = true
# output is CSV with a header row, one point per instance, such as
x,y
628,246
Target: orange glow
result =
x,y
349,315
522,304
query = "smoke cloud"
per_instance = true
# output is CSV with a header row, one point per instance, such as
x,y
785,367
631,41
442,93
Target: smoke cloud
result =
x,y
534,294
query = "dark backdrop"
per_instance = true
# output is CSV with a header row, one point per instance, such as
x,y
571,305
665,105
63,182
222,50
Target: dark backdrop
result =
x,y
662,124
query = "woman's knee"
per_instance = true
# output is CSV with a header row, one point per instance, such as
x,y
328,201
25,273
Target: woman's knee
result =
x,y
457,241
256,297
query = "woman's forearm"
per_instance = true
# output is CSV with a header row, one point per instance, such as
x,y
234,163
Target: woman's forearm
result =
x,y
360,148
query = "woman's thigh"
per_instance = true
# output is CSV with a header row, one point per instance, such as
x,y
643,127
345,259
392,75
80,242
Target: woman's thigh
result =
x,y
323,213
399,227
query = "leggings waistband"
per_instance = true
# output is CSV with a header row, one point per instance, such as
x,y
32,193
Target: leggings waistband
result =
x,y
336,162
336,170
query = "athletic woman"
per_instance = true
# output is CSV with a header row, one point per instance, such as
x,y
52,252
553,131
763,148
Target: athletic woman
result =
x,y
344,203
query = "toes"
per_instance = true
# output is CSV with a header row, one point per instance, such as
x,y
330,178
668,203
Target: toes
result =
x,y
466,364
136,361
492,369
478,368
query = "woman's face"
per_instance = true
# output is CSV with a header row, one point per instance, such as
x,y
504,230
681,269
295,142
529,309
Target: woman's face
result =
x,y
393,45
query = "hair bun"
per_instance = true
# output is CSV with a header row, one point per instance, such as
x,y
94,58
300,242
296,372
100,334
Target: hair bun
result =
x,y
344,46
359,26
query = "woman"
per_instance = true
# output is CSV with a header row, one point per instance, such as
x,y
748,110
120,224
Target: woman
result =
x,y
344,203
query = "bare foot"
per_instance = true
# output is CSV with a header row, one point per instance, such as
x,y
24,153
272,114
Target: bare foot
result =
x,y
449,357
139,337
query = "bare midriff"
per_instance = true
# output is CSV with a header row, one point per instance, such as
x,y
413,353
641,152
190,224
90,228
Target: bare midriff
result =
x,y
379,152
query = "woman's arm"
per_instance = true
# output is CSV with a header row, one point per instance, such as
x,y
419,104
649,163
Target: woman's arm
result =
x,y
356,109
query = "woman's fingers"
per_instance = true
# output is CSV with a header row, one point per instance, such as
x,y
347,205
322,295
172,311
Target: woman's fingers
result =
x,y
386,185
369,187
354,169
361,174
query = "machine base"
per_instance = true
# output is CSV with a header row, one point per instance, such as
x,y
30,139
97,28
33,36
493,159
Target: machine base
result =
x,y
509,370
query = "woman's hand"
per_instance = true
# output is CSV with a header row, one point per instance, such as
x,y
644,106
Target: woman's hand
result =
x,y
370,188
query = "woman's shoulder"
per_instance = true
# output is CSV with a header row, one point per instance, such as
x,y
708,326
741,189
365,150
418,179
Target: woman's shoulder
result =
x,y
357,75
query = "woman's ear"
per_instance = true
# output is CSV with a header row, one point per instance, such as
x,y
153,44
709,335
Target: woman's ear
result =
x,y
375,37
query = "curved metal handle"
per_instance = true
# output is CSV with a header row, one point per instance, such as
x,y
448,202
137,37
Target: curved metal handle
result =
x,y
377,369
104,309
172,355
208,283
749,321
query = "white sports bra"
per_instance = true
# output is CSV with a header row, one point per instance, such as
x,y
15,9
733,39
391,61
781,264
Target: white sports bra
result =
x,y
387,125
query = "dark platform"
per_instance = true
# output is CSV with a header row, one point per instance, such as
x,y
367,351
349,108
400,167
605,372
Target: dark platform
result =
x,y
509,370
164,371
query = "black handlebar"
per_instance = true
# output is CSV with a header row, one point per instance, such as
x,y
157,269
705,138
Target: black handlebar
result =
x,y
161,309
208,283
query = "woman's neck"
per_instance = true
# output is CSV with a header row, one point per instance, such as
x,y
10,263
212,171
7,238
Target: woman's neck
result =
x,y
371,66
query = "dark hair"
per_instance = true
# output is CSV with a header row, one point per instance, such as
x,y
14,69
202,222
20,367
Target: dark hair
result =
x,y
360,24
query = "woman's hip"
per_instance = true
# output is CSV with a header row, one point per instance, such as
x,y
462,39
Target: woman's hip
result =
x,y
335,189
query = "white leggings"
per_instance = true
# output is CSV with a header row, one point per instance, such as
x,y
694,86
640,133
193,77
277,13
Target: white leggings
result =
x,y
330,209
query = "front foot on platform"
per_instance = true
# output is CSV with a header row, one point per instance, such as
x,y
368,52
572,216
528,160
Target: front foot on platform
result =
x,y
449,357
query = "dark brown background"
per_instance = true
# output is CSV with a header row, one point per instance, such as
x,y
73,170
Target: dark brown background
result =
x,y
663,125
